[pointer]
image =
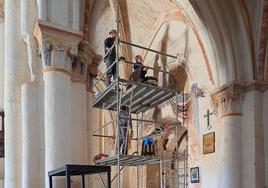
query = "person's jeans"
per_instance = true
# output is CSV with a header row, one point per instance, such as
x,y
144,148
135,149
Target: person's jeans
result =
x,y
123,145
111,72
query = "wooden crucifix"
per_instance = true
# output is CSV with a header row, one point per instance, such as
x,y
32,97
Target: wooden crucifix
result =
x,y
207,116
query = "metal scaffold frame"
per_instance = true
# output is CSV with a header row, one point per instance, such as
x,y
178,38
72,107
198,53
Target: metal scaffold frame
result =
x,y
140,97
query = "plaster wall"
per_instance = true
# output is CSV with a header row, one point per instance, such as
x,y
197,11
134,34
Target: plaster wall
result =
x,y
2,63
208,163
140,18
2,72
93,148
100,23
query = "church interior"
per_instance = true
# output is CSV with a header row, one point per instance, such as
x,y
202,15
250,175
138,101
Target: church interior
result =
x,y
133,93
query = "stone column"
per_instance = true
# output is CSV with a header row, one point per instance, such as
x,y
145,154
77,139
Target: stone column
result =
x,y
15,75
84,69
2,47
32,137
55,44
229,99
82,64
252,140
254,135
265,127
42,9
32,141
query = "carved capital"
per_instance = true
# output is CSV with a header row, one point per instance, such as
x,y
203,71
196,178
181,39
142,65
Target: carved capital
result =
x,y
229,99
55,43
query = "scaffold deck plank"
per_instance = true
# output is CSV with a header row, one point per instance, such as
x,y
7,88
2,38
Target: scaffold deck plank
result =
x,y
144,96
128,160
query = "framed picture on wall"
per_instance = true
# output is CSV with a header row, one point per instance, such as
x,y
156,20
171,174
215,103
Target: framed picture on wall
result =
x,y
194,174
209,143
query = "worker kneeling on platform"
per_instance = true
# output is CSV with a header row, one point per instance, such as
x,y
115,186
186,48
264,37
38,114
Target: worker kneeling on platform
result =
x,y
139,73
139,69
124,124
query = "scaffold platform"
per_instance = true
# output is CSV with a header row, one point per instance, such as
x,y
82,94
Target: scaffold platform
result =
x,y
143,96
129,160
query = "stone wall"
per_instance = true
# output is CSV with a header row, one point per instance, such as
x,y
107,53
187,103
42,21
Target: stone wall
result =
x,y
2,80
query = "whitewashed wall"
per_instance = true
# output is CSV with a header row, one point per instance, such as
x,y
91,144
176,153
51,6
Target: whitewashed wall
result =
x,y
1,60
1,82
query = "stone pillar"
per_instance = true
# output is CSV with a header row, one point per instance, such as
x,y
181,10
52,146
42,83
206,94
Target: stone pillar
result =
x,y
252,140
55,44
265,127
229,99
2,47
230,170
32,137
81,64
15,75
254,137
42,9
32,141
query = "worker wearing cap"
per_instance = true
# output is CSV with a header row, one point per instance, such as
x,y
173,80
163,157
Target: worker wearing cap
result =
x,y
110,56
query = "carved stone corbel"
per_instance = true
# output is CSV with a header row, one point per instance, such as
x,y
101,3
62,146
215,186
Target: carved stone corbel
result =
x,y
81,61
229,99
92,71
84,64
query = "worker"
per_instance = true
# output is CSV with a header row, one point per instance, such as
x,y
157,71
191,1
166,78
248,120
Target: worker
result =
x,y
124,124
138,66
110,56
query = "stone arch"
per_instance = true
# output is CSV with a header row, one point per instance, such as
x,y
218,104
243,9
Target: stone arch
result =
x,y
229,34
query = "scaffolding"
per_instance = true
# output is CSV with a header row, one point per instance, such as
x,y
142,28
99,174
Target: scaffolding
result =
x,y
139,98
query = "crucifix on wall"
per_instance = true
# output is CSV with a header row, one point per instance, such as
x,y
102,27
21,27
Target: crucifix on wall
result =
x,y
208,114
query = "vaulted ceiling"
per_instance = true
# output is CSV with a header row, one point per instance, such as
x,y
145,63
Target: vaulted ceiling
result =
x,y
233,33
